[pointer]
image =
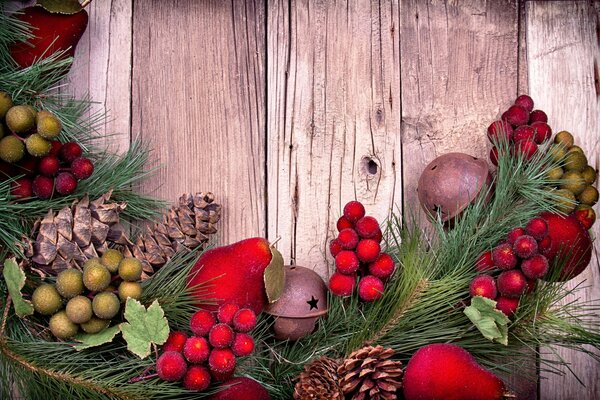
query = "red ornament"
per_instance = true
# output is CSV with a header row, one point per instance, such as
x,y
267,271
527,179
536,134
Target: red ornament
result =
x,y
241,388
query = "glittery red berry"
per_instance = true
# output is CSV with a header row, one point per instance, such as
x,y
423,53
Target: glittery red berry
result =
x,y
525,246
511,283
370,288
530,286
49,166
65,183
507,305
525,101
82,168
494,155
244,320
343,223
201,322
526,148
196,349
70,151
342,285
542,132
43,187
537,116
524,132
21,188
348,238
221,363
499,130
346,262
483,285
353,211
514,235
367,227
535,267
243,345
221,336
545,245
484,262
538,228
196,379
368,250
504,257
335,247
226,313
55,148
378,236
175,341
383,267
171,366
516,115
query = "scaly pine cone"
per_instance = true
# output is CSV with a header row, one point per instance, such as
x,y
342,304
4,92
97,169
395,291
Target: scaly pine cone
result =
x,y
369,373
318,381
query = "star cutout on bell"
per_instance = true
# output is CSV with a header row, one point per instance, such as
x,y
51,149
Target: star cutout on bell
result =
x,y
313,303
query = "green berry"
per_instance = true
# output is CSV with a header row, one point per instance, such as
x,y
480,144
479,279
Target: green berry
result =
x,y
111,260
11,149
5,104
106,305
95,325
130,269
95,275
69,283
20,119
46,300
130,289
61,326
37,146
49,127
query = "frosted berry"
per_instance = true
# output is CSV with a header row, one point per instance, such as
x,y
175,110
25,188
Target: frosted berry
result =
x,y
342,285
545,245
221,336
226,313
483,285
504,257
243,345
494,155
55,147
499,130
348,239
542,132
511,283
378,236
43,187
197,378
507,305
535,267
353,211
335,247
530,286
343,223
383,267
244,320
525,246
367,227
538,228
201,322
524,132
525,101
484,262
171,366
21,188
82,168
175,341
70,151
48,166
346,262
370,288
516,115
196,349
526,148
221,363
537,116
65,183
368,250
514,235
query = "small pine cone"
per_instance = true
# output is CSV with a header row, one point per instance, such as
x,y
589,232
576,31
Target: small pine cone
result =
x,y
370,373
186,226
318,381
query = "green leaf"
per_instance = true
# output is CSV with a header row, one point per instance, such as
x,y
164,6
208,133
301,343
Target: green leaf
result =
x,y
67,7
144,327
15,280
96,339
491,322
274,276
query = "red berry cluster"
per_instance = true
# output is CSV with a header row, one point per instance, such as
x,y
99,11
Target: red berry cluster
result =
x,y
58,172
522,127
210,353
357,253
521,259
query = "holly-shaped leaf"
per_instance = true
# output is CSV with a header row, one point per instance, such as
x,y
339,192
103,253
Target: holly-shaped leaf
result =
x,y
491,322
96,339
274,276
15,280
144,327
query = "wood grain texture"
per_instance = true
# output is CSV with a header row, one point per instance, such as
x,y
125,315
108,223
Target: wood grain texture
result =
x,y
333,120
563,51
199,101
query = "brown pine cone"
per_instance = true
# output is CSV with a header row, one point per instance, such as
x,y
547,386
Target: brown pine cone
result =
x,y
370,373
318,381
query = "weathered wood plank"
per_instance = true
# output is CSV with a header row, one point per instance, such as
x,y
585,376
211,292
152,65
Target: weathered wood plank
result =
x,y
563,51
333,123
198,100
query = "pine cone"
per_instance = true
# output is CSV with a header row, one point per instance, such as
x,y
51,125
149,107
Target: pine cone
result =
x,y
75,234
185,226
369,373
318,381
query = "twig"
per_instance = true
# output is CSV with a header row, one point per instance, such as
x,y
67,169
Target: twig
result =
x,y
5,316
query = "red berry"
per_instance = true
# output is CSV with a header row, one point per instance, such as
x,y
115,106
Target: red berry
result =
x,y
525,101
525,246
538,228
586,217
196,379
221,362
221,336
202,322
348,239
545,245
49,166
346,262
353,211
484,262
499,130
367,227
378,236
368,250
70,151
243,345
227,312
66,183
175,341
370,288
343,223
27,166
507,305
21,188
196,349
43,187
516,115
483,285
171,366
526,148
512,283
342,285
524,132
383,267
530,286
335,247
514,235
494,155
82,168
55,149
537,116
542,132
244,320
535,267
504,257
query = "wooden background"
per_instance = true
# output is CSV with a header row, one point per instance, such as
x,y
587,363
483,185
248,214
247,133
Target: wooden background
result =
x,y
288,109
